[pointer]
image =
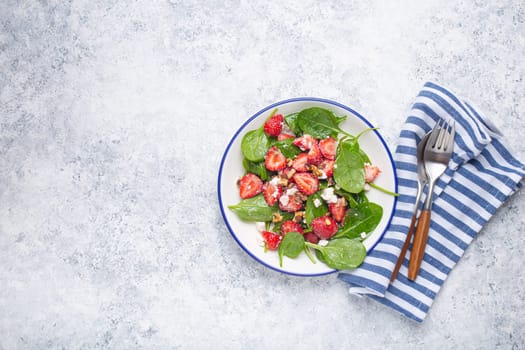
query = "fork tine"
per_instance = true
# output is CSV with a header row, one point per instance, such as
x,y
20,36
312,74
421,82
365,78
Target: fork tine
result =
x,y
448,136
434,134
442,134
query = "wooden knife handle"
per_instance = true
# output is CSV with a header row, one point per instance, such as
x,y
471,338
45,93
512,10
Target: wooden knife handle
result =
x,y
404,248
420,242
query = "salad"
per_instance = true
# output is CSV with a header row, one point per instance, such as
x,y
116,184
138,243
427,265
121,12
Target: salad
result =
x,y
305,186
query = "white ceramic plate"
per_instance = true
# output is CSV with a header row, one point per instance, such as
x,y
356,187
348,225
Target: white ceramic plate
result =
x,y
231,170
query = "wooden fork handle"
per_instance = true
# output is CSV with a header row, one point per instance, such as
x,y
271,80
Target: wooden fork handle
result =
x,y
404,248
420,242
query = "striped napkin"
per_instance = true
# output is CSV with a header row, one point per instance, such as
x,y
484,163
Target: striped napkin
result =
x,y
481,175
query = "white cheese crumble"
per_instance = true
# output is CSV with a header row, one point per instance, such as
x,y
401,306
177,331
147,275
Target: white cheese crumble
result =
x,y
284,200
363,235
322,242
317,203
274,181
291,191
286,129
328,195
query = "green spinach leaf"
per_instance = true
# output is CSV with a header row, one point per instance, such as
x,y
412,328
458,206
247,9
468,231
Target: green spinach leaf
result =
x,y
312,211
287,148
253,209
319,122
341,253
349,168
291,246
339,119
254,145
291,121
363,218
257,168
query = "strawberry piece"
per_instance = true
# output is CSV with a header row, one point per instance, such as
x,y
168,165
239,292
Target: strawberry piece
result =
x,y
271,193
300,162
250,185
338,209
290,202
314,155
291,226
311,237
283,136
371,172
274,125
328,148
307,183
324,227
275,160
304,142
272,240
327,166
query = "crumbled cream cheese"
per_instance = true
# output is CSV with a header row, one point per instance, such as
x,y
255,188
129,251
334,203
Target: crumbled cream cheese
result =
x,y
322,242
328,195
317,203
275,180
291,191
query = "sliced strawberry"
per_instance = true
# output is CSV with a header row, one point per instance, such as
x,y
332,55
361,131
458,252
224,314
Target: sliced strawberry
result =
x,y
300,162
271,193
274,125
328,148
338,209
307,183
275,160
283,136
290,202
311,237
324,227
272,240
327,167
250,185
304,142
371,172
291,226
314,155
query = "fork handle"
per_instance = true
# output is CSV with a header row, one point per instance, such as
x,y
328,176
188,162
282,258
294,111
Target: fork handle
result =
x,y
404,248
420,242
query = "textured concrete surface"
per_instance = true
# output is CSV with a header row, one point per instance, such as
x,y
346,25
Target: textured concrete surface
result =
x,y
113,119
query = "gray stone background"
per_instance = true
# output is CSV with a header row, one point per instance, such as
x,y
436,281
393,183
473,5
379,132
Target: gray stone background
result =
x,y
114,116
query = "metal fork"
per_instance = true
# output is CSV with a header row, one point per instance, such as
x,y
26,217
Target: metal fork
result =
x,y
421,182
438,152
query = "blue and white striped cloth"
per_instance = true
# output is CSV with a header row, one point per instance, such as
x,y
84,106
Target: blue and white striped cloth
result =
x,y
481,176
